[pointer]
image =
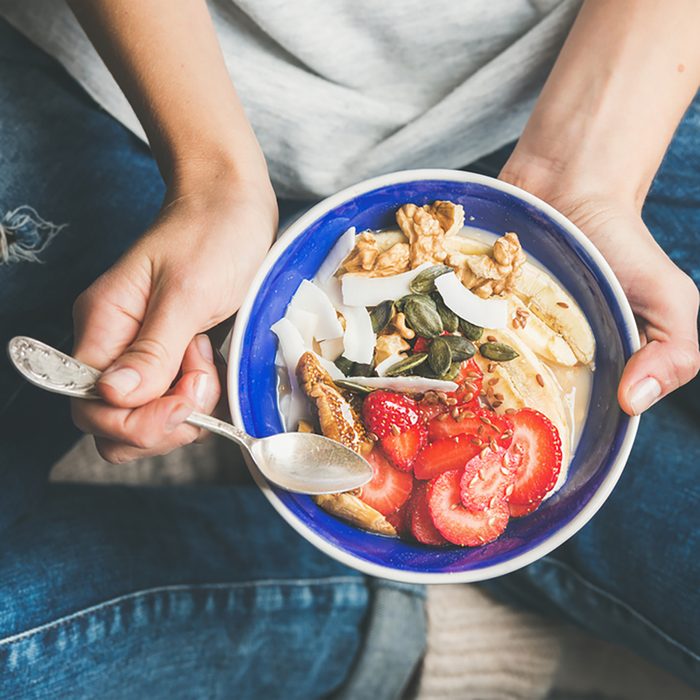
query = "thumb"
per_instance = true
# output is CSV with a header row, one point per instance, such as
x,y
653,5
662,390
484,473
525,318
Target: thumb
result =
x,y
147,367
656,370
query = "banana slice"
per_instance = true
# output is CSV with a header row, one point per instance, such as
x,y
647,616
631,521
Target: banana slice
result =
x,y
519,386
356,512
546,298
540,337
467,245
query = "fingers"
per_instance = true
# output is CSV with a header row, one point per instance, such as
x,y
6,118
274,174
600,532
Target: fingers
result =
x,y
124,434
147,367
669,357
656,370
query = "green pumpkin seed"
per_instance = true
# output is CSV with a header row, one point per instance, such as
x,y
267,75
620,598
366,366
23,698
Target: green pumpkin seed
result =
x,y
450,320
360,370
452,372
498,352
351,386
381,314
469,330
420,298
462,349
424,282
440,356
423,318
344,365
406,365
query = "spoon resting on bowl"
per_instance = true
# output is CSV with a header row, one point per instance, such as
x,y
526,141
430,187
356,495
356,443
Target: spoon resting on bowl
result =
x,y
299,462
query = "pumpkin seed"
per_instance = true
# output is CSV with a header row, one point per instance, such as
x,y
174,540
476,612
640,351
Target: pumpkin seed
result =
x,y
469,330
424,282
344,365
423,318
452,372
440,356
498,352
360,370
406,365
450,320
351,386
381,314
462,349
422,298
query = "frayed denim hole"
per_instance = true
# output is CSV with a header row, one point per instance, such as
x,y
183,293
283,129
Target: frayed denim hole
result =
x,y
24,234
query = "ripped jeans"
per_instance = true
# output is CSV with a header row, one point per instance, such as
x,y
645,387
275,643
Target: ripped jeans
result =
x,y
204,592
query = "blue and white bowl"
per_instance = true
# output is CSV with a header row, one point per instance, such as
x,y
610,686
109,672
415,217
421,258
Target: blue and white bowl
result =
x,y
547,235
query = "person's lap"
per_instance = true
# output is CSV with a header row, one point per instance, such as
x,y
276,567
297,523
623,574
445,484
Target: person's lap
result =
x,y
180,562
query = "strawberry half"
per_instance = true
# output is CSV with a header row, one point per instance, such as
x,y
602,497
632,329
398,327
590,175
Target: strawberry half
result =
x,y
403,448
421,522
536,456
389,488
384,413
443,455
486,480
401,519
458,524
478,422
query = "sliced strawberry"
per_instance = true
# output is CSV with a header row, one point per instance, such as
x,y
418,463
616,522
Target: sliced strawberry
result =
x,y
389,488
518,511
421,345
401,519
478,422
458,524
486,480
443,455
402,449
421,522
385,413
536,456
428,411
469,379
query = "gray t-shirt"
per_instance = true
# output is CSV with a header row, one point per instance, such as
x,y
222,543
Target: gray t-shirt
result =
x,y
340,90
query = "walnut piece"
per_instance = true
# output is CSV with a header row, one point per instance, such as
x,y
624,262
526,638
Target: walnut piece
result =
x,y
363,256
426,228
387,345
392,261
398,324
336,416
486,275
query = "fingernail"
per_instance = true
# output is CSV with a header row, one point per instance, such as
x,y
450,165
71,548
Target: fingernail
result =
x,y
201,385
122,379
644,394
176,417
204,347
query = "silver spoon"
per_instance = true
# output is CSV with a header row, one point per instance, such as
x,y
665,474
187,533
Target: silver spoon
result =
x,y
300,462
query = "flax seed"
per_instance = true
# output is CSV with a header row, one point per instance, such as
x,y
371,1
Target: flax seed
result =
x,y
443,416
455,413
484,452
373,437
475,441
516,323
496,404
474,480
509,489
450,401
493,501
498,396
510,411
395,430
472,375
493,381
540,379
563,304
484,420
481,475
493,445
491,366
469,396
505,471
507,433
468,414
442,396
491,338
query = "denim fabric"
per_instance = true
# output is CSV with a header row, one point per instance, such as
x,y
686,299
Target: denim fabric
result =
x,y
121,593
632,575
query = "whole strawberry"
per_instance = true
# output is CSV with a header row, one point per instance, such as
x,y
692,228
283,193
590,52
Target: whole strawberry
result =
x,y
386,413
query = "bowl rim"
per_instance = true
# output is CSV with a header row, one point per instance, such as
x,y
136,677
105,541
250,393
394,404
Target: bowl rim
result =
x,y
296,228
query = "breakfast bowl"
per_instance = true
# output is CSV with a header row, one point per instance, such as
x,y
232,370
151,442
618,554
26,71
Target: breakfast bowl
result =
x,y
606,434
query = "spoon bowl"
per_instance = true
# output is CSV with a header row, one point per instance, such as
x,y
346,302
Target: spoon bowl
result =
x,y
299,462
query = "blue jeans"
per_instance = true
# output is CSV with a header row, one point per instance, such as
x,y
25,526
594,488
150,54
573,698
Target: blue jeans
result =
x,y
204,592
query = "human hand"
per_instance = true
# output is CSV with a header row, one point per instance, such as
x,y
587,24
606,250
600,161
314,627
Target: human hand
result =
x,y
664,299
143,320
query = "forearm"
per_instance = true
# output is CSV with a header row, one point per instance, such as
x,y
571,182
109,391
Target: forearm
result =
x,y
166,58
608,111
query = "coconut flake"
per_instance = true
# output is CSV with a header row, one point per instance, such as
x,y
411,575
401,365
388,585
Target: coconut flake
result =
x,y
331,349
342,248
487,313
313,300
414,385
304,322
388,362
360,290
359,338
333,371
